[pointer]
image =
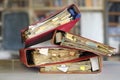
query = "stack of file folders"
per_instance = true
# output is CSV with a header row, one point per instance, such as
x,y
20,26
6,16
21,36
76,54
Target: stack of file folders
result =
x,y
72,53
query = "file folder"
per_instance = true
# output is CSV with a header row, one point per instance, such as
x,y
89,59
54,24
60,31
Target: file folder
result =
x,y
43,30
88,66
45,56
66,39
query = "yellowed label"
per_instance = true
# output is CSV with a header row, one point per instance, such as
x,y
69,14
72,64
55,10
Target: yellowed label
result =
x,y
82,68
72,53
42,28
55,19
54,68
69,36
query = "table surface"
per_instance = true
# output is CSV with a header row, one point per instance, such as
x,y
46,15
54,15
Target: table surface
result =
x,y
15,70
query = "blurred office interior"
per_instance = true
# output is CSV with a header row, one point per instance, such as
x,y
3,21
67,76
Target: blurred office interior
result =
x,y
100,21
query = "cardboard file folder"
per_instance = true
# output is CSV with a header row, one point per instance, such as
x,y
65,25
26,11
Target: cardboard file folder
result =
x,y
91,65
47,56
65,39
43,30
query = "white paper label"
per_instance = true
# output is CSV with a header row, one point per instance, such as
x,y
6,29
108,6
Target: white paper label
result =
x,y
95,63
63,68
44,51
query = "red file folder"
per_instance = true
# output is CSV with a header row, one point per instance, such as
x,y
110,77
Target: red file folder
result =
x,y
26,57
47,34
69,40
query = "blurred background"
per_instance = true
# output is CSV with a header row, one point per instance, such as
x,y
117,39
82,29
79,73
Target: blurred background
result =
x,y
100,21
